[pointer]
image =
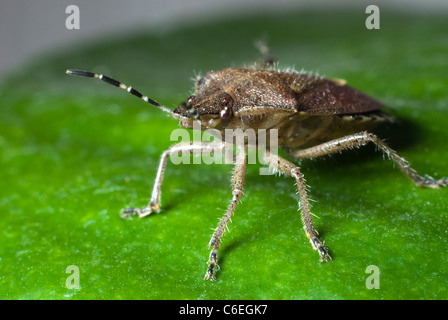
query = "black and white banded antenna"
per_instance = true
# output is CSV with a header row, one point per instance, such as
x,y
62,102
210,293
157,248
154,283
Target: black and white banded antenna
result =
x,y
118,84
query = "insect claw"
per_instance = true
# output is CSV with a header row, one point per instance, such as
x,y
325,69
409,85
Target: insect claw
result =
x,y
141,213
319,247
324,256
443,182
434,184
210,277
128,212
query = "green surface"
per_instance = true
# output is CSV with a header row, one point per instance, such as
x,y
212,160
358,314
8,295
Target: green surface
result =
x,y
74,152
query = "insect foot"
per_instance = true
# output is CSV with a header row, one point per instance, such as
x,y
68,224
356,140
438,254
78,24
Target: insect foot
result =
x,y
434,184
319,247
141,213
212,263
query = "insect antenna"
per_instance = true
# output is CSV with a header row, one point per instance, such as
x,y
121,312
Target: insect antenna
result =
x,y
118,84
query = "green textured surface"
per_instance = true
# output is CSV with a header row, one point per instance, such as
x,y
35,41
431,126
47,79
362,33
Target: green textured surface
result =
x,y
74,152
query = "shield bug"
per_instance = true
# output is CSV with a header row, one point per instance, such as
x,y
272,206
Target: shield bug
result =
x,y
313,117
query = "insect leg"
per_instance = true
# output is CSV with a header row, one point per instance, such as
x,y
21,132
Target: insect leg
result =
x,y
361,139
292,170
154,203
239,173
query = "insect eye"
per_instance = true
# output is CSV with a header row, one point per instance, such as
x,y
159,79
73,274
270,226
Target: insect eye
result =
x,y
194,113
226,112
189,102
226,103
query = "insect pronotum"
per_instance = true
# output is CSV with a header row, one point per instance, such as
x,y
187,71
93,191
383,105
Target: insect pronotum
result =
x,y
314,117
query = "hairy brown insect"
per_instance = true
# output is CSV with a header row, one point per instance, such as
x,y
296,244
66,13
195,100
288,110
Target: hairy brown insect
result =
x,y
313,117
